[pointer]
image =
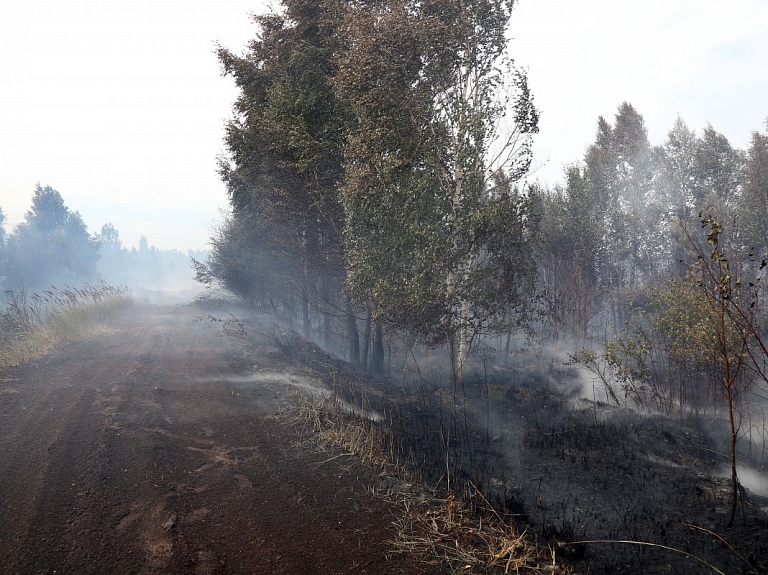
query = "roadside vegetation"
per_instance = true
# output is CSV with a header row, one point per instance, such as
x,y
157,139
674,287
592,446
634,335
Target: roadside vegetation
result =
x,y
452,523
32,324
378,164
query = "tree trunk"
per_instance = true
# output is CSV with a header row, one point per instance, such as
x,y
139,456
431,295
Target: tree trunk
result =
x,y
352,334
377,358
327,339
364,355
734,475
463,351
305,315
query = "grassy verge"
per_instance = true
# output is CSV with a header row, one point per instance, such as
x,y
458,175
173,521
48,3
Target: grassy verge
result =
x,y
32,324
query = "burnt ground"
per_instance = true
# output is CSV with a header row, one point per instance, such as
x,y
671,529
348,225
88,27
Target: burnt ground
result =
x,y
136,451
151,449
576,470
640,488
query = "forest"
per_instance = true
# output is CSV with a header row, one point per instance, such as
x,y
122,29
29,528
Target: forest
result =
x,y
378,165
378,174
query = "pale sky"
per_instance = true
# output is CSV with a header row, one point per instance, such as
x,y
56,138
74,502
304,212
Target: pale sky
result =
x,y
120,105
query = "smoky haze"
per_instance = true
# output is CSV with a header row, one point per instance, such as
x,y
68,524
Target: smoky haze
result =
x,y
583,357
52,246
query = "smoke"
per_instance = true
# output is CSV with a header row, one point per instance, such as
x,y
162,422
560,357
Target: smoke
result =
x,y
305,384
53,246
753,480
156,276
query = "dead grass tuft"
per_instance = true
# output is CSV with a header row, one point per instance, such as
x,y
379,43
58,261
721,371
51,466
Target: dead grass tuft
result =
x,y
468,540
333,423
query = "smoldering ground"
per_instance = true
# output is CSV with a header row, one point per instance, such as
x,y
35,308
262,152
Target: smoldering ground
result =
x,y
535,434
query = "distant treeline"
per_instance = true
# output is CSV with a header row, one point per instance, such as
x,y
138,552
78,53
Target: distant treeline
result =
x,y
52,246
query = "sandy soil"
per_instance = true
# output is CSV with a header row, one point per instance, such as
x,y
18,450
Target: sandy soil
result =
x,y
141,451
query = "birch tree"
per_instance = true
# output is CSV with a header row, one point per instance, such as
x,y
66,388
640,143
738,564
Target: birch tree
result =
x,y
436,223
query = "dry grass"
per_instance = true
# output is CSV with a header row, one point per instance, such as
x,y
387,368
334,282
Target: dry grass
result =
x,y
461,537
463,534
31,325
468,540
333,424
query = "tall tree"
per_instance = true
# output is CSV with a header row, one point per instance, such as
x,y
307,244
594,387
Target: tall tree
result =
x,y
754,204
51,244
242,262
285,150
431,173
3,264
574,254
109,238
719,166
620,172
679,174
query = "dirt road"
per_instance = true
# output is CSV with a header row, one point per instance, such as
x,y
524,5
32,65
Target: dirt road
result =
x,y
137,451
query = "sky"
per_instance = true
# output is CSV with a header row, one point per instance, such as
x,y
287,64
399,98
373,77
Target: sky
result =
x,y
121,105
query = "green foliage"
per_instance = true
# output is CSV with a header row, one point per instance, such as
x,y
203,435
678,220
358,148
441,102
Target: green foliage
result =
x,y
437,231
574,253
680,320
109,238
285,142
284,164
754,204
719,166
3,261
366,149
676,333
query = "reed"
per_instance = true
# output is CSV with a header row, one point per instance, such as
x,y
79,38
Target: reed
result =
x,y
32,324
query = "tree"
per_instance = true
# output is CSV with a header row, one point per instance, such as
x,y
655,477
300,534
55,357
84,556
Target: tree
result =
x,y
109,238
733,304
704,326
436,228
679,169
51,244
285,151
754,204
638,226
241,262
719,168
3,264
620,172
574,254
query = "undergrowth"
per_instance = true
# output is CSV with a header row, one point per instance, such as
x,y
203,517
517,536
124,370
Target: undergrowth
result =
x,y
32,324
